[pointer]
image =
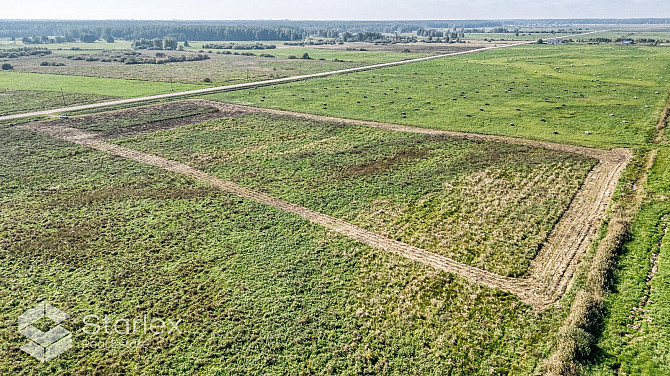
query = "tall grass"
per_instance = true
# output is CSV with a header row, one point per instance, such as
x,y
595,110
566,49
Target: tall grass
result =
x,y
576,338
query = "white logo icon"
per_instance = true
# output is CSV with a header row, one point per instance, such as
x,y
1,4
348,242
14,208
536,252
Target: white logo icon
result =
x,y
45,346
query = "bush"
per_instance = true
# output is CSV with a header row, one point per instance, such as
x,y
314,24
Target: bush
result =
x,y
7,66
292,57
51,64
206,79
306,56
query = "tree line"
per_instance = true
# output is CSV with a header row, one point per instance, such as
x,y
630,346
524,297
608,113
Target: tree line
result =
x,y
57,31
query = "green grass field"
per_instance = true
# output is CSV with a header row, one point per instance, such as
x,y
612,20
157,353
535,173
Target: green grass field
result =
x,y
592,83
259,291
451,197
27,92
219,69
89,85
14,101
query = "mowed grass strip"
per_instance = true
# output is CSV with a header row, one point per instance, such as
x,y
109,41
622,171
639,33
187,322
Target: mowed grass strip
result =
x,y
258,290
487,204
603,96
89,85
17,101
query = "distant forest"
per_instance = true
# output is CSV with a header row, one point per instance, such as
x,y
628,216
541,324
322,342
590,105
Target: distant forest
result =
x,y
260,30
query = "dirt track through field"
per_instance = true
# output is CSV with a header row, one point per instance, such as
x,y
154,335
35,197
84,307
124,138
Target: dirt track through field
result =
x,y
552,270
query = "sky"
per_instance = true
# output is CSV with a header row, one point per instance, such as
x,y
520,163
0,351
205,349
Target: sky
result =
x,y
330,10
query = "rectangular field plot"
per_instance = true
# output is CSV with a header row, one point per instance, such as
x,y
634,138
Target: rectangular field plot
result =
x,y
486,204
258,290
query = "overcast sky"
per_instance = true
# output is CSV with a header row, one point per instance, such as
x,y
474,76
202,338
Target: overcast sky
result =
x,y
330,10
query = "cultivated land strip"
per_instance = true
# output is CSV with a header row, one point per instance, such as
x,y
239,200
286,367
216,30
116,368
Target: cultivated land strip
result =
x,y
551,272
250,85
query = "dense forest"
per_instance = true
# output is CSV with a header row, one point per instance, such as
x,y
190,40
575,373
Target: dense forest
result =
x,y
54,31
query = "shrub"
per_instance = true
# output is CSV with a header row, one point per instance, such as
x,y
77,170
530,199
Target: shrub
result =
x,y
7,66
306,56
51,64
206,79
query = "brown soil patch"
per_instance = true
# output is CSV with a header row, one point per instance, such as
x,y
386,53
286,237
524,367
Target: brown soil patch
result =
x,y
374,167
